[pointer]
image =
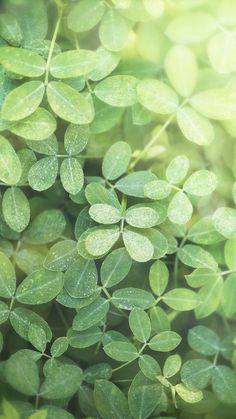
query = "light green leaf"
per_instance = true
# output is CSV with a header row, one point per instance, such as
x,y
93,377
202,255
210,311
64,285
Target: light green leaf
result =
x,y
224,221
230,253
201,183
224,383
10,30
23,101
76,138
72,175
182,69
191,27
158,277
37,337
180,209
59,346
197,373
117,90
149,367
61,255
157,189
69,104
113,31
104,214
73,63
100,241
229,294
154,7
188,395
83,16
115,267
138,246
165,341
4,312
201,276
47,227
177,169
157,97
140,324
49,146
210,295
121,351
81,278
42,175
130,298
141,216
36,127
203,340
110,401
21,319
203,232
221,51
22,374
10,166
218,103
143,396
61,382
7,277
22,61
98,194
16,209
91,315
181,299
196,257
158,241
134,183
172,365
116,160
195,127
106,63
9,410
39,287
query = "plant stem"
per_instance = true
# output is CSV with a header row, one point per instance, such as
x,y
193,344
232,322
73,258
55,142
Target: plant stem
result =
x,y
53,41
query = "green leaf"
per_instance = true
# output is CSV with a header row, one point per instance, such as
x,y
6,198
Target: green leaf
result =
x,y
47,227
4,312
197,373
117,90
21,319
22,374
182,69
130,298
149,367
203,232
140,324
39,287
36,127
201,276
104,214
157,189
134,183
10,166
165,341
10,29
141,217
76,138
110,401
42,175
210,295
49,146
191,27
115,267
195,127
228,298
16,209
98,194
224,221
181,299
218,103
61,382
22,61
157,97
230,253
69,104
91,315
121,351
139,247
37,337
201,183
106,63
188,395
177,169
143,396
72,175
116,160
172,366
84,16
59,347
113,31
73,63
23,101
224,383
180,209
158,242
203,340
7,277
100,241
222,63
61,255
9,410
196,257
158,277
81,278
85,338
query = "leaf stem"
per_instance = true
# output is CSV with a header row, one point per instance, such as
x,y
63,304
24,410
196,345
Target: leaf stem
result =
x,y
53,41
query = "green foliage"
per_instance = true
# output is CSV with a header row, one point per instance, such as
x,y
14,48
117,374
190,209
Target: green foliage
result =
x,y
117,209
